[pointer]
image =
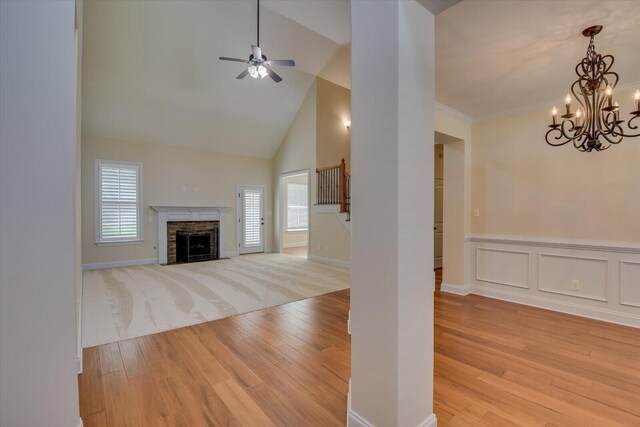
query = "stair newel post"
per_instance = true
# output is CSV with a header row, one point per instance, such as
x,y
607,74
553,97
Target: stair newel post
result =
x,y
343,186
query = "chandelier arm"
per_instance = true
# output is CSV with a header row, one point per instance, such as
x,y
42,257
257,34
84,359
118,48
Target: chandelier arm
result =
x,y
577,143
613,141
560,136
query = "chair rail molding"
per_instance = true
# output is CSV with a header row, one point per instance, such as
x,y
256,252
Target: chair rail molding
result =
x,y
589,278
190,213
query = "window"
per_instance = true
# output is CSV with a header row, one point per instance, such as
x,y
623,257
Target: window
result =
x,y
297,206
118,202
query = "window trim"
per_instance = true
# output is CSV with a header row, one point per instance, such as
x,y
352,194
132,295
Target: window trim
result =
x,y
99,241
286,210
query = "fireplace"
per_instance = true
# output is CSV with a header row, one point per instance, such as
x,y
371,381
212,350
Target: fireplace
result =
x,y
192,241
193,246
192,218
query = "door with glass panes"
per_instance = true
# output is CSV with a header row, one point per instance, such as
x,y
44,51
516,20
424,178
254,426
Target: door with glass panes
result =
x,y
250,219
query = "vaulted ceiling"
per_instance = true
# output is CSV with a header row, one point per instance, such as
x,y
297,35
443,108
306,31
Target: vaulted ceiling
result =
x,y
151,70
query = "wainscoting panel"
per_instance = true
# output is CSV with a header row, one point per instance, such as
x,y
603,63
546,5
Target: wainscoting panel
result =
x,y
571,275
630,283
503,267
594,279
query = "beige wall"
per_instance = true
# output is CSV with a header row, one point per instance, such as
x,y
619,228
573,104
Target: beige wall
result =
x,y
525,187
457,195
298,152
333,139
318,131
171,176
333,143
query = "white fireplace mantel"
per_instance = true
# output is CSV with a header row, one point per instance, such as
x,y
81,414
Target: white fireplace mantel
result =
x,y
189,213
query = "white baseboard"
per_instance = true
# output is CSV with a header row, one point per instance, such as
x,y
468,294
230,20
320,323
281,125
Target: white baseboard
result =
x,y
80,424
576,309
355,420
330,261
431,421
295,245
124,263
455,289
79,362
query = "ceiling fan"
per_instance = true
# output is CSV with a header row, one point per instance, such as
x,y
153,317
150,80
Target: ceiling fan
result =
x,y
259,66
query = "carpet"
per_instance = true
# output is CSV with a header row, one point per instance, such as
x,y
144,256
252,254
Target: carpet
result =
x,y
128,302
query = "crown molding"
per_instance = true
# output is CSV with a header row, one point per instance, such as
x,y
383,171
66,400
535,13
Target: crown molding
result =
x,y
454,113
542,105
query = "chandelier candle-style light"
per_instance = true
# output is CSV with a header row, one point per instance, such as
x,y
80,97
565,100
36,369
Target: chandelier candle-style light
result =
x,y
595,124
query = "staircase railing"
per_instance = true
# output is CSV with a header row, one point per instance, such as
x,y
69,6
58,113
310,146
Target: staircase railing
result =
x,y
333,186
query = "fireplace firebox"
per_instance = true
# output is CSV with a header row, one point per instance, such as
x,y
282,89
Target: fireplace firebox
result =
x,y
192,241
193,246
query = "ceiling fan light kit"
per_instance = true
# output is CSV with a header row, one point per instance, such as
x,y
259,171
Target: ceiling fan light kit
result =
x,y
596,124
259,66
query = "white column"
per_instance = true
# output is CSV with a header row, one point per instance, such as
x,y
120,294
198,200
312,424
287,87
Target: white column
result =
x,y
38,347
392,242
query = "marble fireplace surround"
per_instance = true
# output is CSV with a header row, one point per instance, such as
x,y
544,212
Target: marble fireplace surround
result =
x,y
190,213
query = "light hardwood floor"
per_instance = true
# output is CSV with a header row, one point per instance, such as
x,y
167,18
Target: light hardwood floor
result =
x,y
496,363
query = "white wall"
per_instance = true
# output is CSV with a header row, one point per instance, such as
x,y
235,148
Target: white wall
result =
x,y
78,180
172,176
38,382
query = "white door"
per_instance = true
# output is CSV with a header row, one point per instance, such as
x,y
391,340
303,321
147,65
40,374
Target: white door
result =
x,y
250,219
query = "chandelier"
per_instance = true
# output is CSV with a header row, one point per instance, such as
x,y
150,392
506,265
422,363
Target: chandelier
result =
x,y
595,124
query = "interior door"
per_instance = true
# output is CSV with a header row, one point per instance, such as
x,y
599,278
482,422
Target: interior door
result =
x,y
250,219
438,216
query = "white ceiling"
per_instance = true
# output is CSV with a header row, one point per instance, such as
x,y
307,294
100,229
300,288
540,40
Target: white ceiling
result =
x,y
151,71
494,56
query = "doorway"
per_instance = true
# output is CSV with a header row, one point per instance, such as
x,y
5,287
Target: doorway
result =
x,y
438,194
293,211
250,219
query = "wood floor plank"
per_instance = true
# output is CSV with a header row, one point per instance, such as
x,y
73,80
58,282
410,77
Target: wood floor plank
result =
x,y
241,404
119,405
132,357
97,419
233,365
110,358
496,364
90,383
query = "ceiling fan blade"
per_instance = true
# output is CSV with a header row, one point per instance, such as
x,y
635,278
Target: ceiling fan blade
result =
x,y
225,58
276,78
243,74
282,62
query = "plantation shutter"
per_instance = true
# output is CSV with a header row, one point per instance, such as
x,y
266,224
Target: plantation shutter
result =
x,y
252,217
119,202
